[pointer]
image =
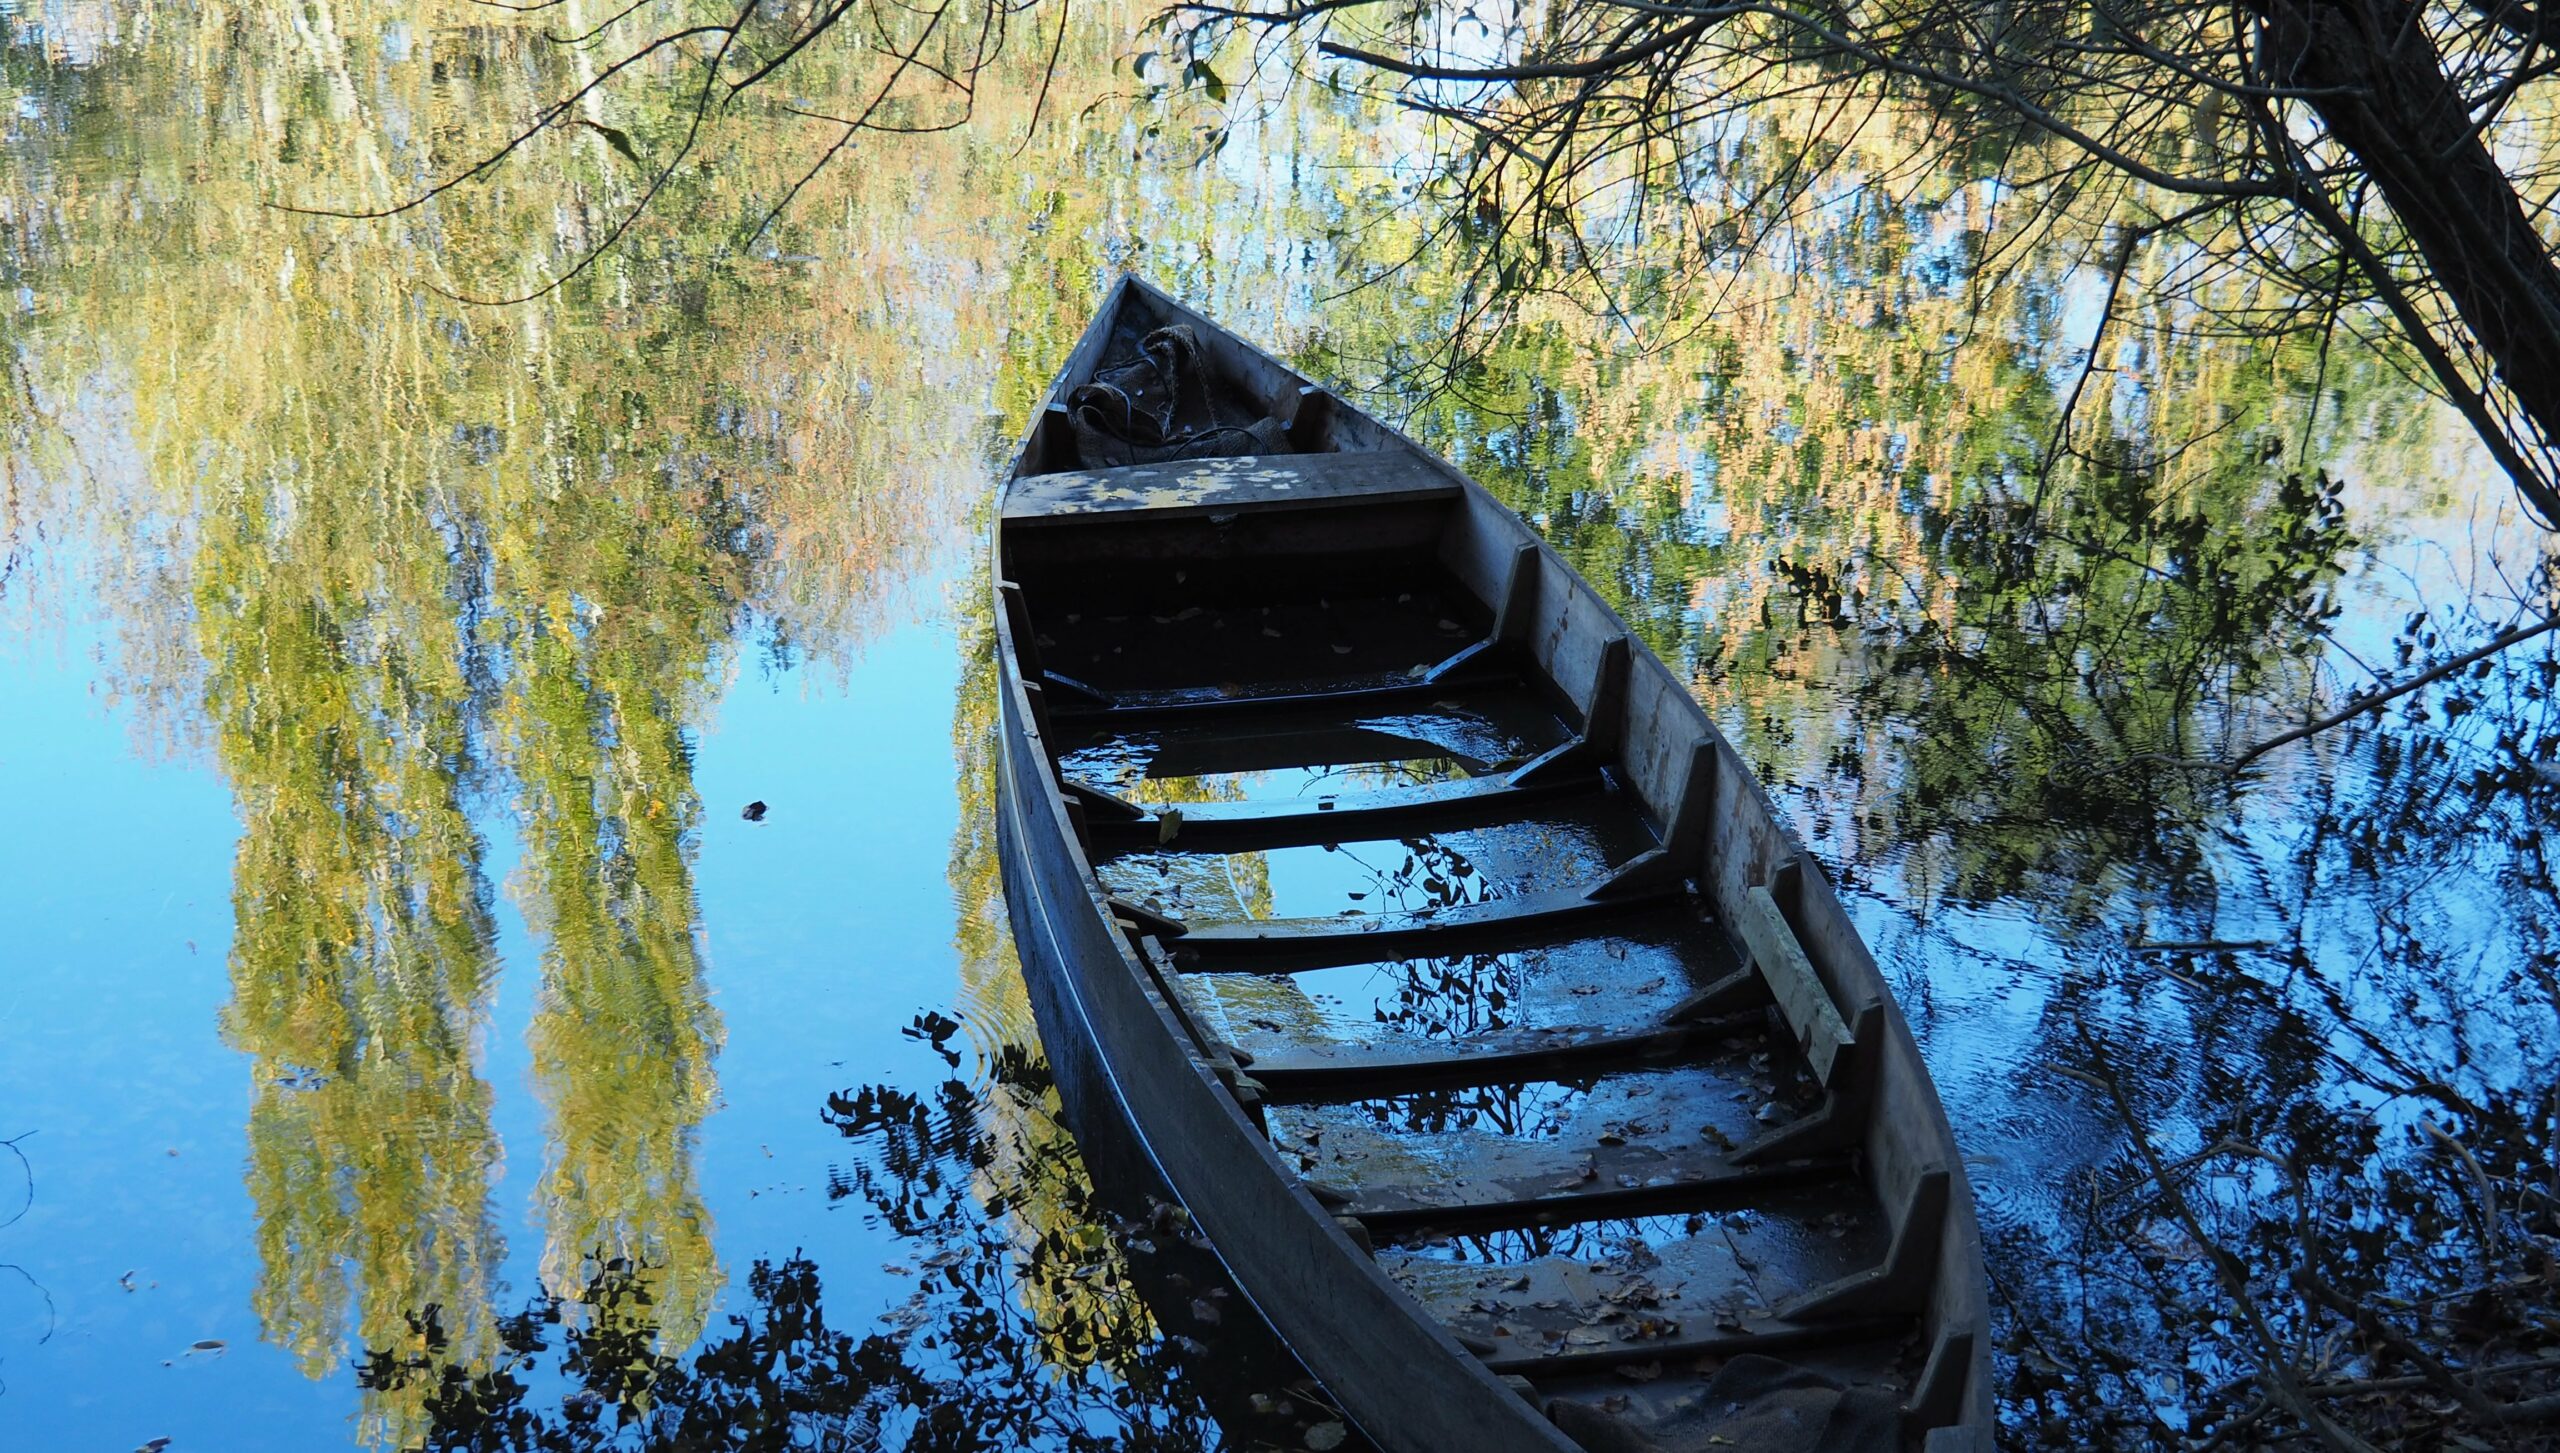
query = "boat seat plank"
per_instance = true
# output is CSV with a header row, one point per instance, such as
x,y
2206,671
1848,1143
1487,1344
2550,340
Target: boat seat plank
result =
x,y
1767,1336
1690,1184
1197,487
1263,946
1464,671
1478,731
1332,1072
1332,817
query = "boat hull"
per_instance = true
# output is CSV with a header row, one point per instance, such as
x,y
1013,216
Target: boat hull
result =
x,y
1129,1060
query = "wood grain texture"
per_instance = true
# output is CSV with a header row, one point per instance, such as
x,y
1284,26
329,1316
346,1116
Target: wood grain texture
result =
x,y
1190,488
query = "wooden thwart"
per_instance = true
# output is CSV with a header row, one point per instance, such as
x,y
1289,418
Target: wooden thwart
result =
x,y
1467,669
1757,1335
1198,488
1340,817
1276,945
1725,1187
1317,1077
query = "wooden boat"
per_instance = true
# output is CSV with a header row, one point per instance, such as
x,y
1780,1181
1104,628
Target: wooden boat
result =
x,y
1448,963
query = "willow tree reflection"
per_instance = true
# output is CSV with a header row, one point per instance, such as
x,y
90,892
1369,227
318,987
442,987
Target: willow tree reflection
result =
x,y
615,640
361,962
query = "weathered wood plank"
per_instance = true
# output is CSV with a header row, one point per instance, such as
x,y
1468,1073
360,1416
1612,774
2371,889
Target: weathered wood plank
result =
x,y
1126,713
1274,945
1194,487
1708,1185
1763,1335
1802,999
1307,1075
1227,827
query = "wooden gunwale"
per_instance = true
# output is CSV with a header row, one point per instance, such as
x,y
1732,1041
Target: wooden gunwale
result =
x,y
1405,1378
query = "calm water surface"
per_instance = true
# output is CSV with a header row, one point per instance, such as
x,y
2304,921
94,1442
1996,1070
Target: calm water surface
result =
x,y
409,1041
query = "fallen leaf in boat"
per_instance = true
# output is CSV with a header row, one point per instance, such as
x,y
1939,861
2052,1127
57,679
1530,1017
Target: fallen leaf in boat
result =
x,y
1613,1139
1588,1337
1324,1436
1639,1292
1639,1371
1447,624
1275,635
1207,1311
1342,650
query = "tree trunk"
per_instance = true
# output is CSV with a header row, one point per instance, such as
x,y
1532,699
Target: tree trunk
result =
x,y
2390,104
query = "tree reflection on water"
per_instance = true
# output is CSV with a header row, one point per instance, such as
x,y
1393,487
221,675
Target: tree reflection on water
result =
x,y
1084,1329
2252,1065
